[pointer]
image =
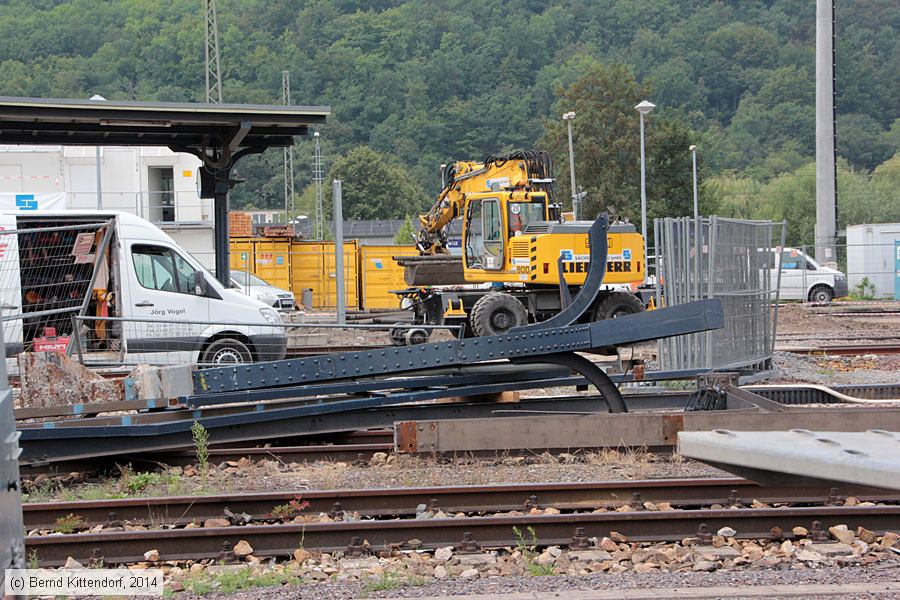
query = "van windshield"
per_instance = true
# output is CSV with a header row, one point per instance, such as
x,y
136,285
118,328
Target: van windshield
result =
x,y
794,260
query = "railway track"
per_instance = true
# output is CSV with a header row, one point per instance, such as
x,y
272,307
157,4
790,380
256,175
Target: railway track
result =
x,y
354,446
280,540
403,502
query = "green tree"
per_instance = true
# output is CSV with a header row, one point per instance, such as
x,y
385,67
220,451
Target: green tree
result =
x,y
606,132
606,137
405,235
374,186
861,141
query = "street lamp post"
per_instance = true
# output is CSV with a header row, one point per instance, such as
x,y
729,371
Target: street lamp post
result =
x,y
98,97
644,108
693,150
568,118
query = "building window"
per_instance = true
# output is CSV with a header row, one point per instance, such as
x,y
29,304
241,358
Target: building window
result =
x,y
161,187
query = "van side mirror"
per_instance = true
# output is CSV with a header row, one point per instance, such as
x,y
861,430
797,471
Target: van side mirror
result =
x,y
200,284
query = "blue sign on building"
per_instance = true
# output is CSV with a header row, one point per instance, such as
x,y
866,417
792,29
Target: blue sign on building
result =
x,y
26,202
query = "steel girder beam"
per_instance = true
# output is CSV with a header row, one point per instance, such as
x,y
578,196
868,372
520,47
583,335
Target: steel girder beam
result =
x,y
51,445
677,320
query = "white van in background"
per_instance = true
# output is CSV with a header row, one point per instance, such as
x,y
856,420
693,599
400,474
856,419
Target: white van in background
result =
x,y
168,294
802,278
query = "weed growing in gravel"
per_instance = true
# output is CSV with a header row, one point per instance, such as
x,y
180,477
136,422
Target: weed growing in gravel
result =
x,y
33,560
227,582
68,524
528,549
39,492
864,290
290,509
201,447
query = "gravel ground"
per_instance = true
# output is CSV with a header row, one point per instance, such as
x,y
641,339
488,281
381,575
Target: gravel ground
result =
x,y
795,318
836,370
389,471
595,581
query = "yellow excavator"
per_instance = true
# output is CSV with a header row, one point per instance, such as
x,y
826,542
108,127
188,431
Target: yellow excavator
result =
x,y
513,244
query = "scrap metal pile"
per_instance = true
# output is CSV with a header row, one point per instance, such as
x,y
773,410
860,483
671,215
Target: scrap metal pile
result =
x,y
353,383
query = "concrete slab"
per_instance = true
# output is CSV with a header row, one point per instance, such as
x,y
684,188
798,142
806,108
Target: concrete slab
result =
x,y
866,457
694,593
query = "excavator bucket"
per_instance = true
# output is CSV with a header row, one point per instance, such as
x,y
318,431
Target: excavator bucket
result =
x,y
438,269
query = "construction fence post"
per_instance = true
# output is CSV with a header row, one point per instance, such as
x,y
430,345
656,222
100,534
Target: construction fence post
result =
x,y
341,301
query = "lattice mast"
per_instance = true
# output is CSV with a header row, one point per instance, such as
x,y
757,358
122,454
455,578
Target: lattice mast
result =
x,y
288,153
318,178
213,62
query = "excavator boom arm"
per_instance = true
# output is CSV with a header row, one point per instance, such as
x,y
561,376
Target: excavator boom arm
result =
x,y
523,169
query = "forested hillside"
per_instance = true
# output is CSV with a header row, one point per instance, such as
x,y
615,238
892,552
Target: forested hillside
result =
x,y
425,81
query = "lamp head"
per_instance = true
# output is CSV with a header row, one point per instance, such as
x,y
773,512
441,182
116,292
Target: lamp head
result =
x,y
568,116
645,107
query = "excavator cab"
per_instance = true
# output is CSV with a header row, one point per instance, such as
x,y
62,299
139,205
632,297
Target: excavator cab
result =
x,y
491,221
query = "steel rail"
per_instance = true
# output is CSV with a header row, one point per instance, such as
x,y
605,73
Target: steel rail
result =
x,y
843,350
396,502
119,547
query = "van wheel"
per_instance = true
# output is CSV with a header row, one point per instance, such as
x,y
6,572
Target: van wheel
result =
x,y
496,313
821,293
226,351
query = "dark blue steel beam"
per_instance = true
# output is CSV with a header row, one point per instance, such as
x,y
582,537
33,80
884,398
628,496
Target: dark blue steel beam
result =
x,y
665,322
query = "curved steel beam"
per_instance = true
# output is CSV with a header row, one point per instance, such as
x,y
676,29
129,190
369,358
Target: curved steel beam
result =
x,y
590,371
592,281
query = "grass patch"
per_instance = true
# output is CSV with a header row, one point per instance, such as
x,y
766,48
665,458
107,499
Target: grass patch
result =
x,y
231,581
138,482
387,581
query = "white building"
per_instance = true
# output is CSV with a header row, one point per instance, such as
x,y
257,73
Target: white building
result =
x,y
873,253
153,183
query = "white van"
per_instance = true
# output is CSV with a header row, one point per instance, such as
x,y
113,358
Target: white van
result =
x,y
802,278
148,278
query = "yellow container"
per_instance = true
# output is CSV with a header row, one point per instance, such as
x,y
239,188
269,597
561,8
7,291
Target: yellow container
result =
x,y
272,261
242,255
379,273
312,267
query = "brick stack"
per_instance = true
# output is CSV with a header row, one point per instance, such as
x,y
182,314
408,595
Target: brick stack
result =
x,y
277,231
240,224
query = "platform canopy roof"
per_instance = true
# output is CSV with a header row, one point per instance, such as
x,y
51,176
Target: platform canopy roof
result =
x,y
176,125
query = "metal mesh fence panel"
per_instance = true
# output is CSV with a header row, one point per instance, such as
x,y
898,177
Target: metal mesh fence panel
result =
x,y
47,275
734,261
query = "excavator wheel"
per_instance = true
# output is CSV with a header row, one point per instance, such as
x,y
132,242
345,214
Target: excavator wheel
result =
x,y
617,304
496,313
